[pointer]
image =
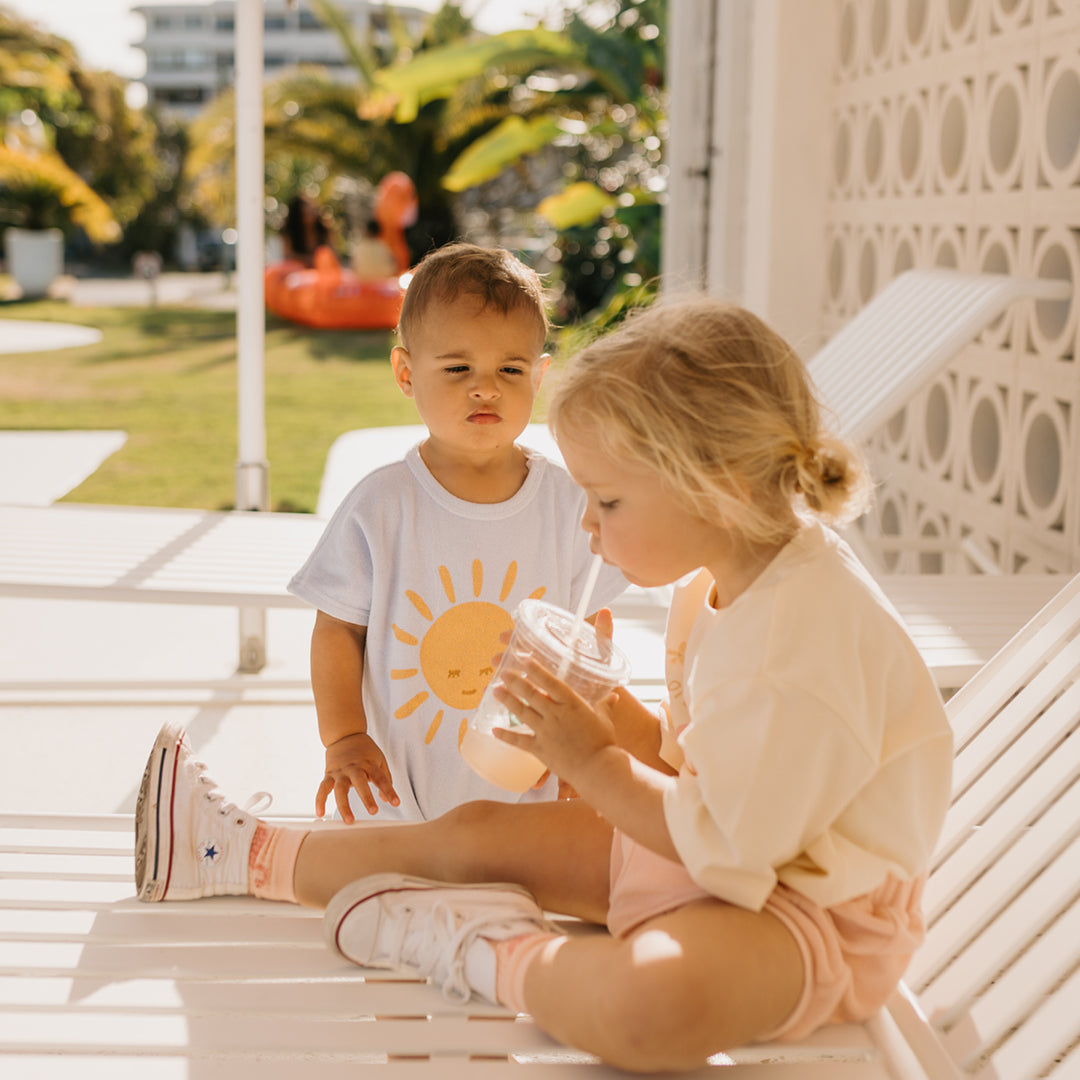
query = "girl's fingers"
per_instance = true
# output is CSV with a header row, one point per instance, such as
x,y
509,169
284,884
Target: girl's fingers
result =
x,y
536,678
520,708
521,739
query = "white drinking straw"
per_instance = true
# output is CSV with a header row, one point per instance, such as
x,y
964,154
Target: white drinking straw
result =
x,y
579,616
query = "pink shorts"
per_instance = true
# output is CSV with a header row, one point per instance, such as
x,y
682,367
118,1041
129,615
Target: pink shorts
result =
x,y
853,954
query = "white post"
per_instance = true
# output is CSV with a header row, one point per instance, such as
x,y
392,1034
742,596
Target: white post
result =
x,y
728,194
252,485
691,70
705,217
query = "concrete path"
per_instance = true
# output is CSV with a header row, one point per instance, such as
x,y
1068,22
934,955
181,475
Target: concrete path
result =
x,y
25,335
39,467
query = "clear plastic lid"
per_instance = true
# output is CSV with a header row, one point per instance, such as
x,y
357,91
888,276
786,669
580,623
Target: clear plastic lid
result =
x,y
549,631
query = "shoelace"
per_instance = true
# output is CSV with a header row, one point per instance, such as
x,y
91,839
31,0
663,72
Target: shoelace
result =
x,y
425,945
258,803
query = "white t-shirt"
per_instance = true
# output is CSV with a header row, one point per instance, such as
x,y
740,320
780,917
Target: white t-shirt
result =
x,y
436,581
815,748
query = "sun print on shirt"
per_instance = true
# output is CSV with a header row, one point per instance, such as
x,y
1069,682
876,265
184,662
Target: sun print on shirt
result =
x,y
455,649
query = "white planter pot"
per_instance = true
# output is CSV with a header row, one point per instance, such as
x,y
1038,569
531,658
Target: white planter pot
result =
x,y
35,258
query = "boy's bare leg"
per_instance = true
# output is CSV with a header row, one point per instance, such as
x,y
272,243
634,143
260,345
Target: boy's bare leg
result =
x,y
701,979
559,851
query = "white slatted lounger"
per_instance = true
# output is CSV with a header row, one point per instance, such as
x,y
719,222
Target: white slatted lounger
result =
x,y
236,559
895,345
240,559
906,335
95,985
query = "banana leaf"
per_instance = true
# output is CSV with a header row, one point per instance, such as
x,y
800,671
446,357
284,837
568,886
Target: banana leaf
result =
x,y
578,204
436,73
505,144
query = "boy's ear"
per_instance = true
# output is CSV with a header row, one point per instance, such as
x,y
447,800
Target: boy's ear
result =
x,y
399,361
540,368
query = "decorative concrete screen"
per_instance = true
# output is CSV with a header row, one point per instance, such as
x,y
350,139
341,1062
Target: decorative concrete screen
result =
x,y
956,142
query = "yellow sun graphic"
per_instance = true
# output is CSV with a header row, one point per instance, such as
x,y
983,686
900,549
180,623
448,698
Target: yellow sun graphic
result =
x,y
456,650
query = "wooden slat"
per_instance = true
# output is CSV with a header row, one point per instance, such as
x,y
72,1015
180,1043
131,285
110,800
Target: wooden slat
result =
x,y
139,554
1004,1015
958,622
1002,933
906,334
982,822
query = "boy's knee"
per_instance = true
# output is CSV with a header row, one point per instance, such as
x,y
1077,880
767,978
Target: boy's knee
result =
x,y
471,815
466,839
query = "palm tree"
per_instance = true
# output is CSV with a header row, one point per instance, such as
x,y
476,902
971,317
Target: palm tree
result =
x,y
318,130
573,118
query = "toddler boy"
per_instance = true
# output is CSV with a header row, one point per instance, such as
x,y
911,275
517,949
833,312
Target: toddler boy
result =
x,y
420,569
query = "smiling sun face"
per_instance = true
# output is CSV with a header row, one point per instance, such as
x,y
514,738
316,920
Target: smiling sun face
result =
x,y
456,651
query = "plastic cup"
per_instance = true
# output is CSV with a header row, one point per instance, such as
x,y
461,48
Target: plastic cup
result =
x,y
546,633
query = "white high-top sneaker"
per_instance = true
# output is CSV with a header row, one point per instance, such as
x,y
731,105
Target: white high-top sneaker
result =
x,y
426,927
190,841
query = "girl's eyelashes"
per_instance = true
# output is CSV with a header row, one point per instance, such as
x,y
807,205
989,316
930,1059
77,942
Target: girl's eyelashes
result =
x,y
607,505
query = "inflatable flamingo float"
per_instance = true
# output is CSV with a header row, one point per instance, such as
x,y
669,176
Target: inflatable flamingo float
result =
x,y
331,297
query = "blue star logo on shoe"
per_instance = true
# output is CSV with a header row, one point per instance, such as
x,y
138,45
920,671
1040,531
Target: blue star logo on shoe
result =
x,y
209,851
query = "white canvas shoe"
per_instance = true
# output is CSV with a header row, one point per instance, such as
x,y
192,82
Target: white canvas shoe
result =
x,y
190,841
426,927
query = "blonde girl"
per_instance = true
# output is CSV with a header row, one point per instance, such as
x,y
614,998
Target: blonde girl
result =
x,y
756,853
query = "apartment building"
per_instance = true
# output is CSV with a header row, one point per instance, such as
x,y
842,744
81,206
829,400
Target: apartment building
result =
x,y
190,55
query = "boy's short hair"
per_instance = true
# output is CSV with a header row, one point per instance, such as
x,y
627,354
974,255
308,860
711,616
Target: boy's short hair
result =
x,y
494,275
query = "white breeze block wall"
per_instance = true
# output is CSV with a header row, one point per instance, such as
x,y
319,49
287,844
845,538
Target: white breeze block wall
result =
x,y
955,141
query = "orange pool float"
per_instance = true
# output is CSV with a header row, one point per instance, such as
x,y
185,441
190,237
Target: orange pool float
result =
x,y
329,296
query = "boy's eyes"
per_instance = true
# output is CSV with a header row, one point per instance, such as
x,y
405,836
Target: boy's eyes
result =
x,y
461,369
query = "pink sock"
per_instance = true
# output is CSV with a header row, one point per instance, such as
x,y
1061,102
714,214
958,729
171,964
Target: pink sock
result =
x,y
513,958
272,860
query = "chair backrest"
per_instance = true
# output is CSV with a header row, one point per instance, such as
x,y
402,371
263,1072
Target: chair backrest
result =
x,y
906,335
999,973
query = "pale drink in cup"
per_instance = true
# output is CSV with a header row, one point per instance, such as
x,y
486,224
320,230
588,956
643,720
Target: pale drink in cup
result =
x,y
590,665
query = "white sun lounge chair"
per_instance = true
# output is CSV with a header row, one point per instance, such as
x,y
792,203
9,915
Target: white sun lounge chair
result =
x,y
906,334
244,559
95,985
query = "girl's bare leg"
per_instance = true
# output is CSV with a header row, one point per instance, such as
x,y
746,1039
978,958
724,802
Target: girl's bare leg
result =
x,y
701,979
559,851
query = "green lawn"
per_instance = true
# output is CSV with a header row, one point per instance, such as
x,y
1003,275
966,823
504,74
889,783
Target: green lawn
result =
x,y
167,376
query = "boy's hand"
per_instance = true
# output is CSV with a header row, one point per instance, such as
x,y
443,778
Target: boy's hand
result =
x,y
355,762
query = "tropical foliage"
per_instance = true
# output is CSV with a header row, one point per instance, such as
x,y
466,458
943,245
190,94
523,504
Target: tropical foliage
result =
x,y
317,132
75,154
568,124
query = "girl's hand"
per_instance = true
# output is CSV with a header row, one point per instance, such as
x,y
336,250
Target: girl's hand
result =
x,y
566,731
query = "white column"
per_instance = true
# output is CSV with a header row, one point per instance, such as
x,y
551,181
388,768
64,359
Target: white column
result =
x,y
252,485
691,69
251,470
728,195
709,78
